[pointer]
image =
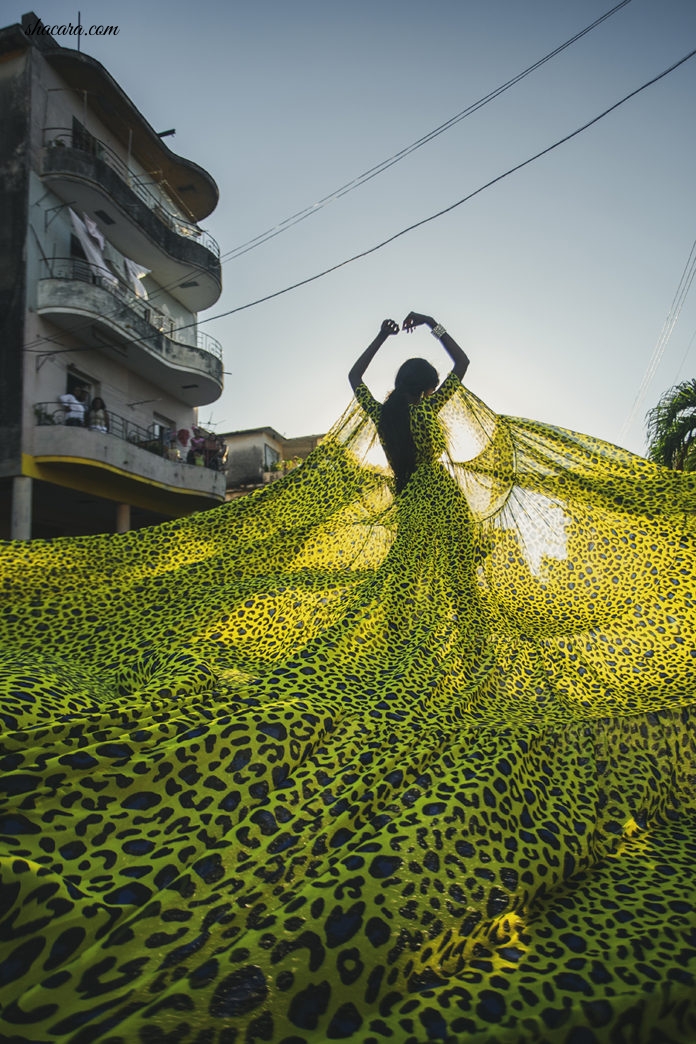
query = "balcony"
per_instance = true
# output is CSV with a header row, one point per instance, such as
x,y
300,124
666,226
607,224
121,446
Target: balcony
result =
x,y
125,460
185,363
132,210
114,109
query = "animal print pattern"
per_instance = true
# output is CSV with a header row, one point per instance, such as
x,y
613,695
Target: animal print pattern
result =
x,y
323,764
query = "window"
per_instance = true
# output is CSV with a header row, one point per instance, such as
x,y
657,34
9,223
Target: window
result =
x,y
162,426
79,268
76,250
270,456
76,379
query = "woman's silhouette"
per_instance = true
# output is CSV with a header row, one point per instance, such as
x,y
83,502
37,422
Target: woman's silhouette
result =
x,y
415,380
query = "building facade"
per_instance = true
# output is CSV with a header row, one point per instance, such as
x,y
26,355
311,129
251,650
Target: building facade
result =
x,y
256,456
103,269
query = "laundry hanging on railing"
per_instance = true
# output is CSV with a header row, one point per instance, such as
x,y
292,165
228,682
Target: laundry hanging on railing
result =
x,y
136,273
93,249
94,230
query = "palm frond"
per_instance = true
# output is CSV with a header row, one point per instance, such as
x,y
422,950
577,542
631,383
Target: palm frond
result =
x,y
671,428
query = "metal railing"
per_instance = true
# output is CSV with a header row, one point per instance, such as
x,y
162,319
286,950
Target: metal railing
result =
x,y
154,439
64,137
83,271
206,343
48,413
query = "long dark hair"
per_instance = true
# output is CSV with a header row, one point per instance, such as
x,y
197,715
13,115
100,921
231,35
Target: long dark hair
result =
x,y
413,378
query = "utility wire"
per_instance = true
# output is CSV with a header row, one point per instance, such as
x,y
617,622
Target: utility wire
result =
x,y
361,179
685,282
445,210
685,357
453,206
384,165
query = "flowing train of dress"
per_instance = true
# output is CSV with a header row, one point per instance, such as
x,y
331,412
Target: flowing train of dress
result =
x,y
322,764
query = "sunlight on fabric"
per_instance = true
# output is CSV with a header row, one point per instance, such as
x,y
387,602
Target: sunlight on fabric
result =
x,y
540,524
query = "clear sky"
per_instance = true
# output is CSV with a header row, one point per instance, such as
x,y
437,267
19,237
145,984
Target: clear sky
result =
x,y
557,280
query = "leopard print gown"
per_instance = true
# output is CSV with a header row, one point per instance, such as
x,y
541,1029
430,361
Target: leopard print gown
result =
x,y
321,764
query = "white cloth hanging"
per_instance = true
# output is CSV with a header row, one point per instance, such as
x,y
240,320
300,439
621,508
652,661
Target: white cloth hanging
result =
x,y
93,252
136,273
94,230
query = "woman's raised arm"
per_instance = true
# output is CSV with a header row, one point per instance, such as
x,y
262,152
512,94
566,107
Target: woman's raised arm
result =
x,y
386,330
458,357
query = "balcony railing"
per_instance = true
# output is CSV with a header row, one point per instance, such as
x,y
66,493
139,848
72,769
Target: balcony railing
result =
x,y
64,137
209,453
70,268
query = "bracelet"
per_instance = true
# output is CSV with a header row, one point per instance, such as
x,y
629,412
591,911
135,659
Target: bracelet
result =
x,y
438,330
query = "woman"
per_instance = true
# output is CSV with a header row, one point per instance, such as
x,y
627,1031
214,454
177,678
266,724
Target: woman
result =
x,y
327,764
431,525
97,416
405,440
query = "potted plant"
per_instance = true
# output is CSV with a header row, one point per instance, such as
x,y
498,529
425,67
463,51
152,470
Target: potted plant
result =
x,y
41,414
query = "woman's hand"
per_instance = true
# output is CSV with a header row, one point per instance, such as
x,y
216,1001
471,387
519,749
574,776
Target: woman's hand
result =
x,y
414,319
458,357
389,327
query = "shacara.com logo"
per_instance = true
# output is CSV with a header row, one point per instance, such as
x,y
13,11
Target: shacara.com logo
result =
x,y
39,29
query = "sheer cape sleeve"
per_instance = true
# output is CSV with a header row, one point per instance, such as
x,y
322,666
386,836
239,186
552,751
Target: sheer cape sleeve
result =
x,y
444,393
368,403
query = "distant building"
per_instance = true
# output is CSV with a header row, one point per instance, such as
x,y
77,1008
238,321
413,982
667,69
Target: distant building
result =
x,y
103,269
259,455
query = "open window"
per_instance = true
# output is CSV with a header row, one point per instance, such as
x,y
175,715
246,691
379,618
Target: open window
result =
x,y
270,456
77,379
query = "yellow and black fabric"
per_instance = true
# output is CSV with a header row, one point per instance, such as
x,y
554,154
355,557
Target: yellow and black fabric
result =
x,y
325,764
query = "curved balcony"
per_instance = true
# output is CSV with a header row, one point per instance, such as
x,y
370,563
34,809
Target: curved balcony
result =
x,y
115,110
105,310
90,176
129,461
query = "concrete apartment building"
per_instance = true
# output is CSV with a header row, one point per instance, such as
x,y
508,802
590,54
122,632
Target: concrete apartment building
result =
x,y
103,269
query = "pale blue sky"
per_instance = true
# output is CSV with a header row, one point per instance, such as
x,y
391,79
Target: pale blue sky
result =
x,y
556,281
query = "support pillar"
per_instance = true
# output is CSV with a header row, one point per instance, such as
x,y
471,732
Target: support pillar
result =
x,y
20,525
123,518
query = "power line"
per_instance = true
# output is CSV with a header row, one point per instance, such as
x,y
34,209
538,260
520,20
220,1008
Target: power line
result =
x,y
453,206
361,179
685,356
687,278
445,210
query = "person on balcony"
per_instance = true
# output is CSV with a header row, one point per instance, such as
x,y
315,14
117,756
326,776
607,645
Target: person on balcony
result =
x,y
74,405
196,453
97,416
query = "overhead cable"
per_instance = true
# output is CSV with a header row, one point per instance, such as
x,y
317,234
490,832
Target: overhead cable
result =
x,y
379,168
453,206
384,165
687,278
439,213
